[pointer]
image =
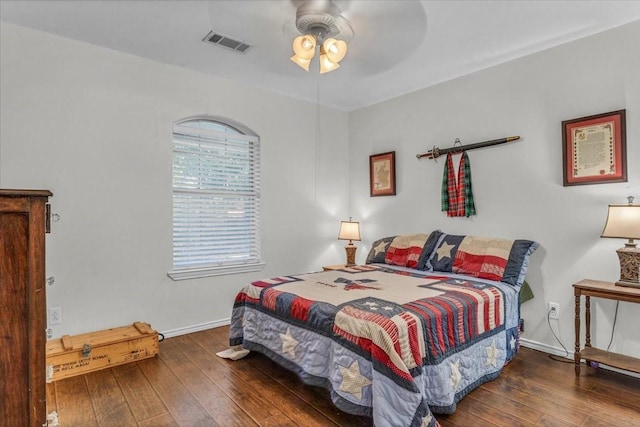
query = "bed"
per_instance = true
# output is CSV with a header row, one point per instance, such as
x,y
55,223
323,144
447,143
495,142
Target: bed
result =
x,y
426,320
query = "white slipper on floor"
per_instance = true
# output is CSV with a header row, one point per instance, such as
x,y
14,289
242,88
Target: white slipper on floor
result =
x,y
233,353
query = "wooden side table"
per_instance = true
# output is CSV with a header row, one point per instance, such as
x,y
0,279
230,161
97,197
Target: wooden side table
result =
x,y
608,290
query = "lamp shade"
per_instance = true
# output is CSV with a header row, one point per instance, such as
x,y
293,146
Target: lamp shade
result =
x,y
623,222
349,230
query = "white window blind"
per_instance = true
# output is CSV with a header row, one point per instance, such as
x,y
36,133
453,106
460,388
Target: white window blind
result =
x,y
216,200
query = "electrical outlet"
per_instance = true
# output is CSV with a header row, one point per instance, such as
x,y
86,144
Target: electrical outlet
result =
x,y
554,310
55,316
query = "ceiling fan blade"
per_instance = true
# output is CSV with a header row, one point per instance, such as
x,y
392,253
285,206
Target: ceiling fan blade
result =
x,y
257,22
386,33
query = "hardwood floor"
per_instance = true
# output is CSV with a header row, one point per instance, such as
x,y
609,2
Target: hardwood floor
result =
x,y
188,385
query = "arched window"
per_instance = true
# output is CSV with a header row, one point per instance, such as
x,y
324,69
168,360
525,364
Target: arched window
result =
x,y
216,198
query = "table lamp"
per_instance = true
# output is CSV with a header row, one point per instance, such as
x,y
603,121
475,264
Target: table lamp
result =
x,y
350,230
623,222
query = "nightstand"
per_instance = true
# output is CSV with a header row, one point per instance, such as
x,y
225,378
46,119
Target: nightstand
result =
x,y
596,288
333,267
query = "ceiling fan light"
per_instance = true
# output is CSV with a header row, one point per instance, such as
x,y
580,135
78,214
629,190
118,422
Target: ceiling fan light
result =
x,y
301,62
335,49
326,64
304,46
323,29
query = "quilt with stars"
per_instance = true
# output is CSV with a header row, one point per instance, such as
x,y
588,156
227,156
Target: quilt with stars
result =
x,y
395,344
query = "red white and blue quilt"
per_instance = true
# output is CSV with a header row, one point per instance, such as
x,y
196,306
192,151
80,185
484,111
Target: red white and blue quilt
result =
x,y
391,343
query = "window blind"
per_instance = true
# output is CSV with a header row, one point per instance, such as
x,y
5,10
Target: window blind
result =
x,y
216,199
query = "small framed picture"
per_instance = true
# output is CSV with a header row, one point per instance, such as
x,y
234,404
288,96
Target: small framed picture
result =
x,y
382,174
594,149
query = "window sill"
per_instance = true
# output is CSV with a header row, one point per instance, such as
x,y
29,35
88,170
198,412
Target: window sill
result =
x,y
197,273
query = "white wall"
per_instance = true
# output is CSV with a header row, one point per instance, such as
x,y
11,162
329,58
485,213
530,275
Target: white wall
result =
x,y
518,187
94,126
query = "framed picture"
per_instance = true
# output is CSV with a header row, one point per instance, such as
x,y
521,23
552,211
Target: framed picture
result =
x,y
594,149
382,174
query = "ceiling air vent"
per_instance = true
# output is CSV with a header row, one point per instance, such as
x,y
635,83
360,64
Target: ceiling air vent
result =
x,y
225,41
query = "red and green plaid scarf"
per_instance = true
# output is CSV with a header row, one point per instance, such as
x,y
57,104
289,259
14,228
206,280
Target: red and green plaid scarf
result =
x,y
457,196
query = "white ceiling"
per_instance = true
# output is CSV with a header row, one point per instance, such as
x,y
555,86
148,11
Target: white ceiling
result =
x,y
399,46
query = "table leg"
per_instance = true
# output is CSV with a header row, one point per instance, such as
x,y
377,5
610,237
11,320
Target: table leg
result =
x,y
576,354
587,320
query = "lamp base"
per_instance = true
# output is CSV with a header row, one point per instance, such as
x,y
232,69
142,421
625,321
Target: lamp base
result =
x,y
629,257
351,254
628,284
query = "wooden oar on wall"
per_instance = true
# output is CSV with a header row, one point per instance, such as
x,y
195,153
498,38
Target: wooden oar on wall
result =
x,y
437,152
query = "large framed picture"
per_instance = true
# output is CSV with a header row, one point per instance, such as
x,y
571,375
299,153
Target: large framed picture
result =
x,y
382,174
594,149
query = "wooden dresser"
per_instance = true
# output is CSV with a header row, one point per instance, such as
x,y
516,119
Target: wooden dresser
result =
x,y
22,307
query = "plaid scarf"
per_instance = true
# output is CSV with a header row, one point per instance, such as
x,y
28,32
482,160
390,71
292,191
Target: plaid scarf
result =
x,y
457,196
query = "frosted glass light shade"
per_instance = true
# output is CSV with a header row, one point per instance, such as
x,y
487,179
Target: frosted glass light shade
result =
x,y
302,63
304,46
332,51
335,49
327,65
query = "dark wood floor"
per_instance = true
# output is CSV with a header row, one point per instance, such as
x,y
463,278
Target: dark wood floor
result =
x,y
187,385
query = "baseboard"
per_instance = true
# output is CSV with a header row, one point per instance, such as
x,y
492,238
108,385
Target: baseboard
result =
x,y
545,348
195,328
569,355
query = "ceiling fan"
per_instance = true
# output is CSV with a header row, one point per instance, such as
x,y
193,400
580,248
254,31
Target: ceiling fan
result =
x,y
321,26
377,33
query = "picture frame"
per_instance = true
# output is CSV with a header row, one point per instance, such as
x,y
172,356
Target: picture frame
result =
x,y
382,174
594,149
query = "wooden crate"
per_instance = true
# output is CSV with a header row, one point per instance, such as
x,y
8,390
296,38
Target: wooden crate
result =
x,y
78,354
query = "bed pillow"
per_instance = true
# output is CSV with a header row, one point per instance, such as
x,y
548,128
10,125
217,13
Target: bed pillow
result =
x,y
427,249
378,250
484,257
405,250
